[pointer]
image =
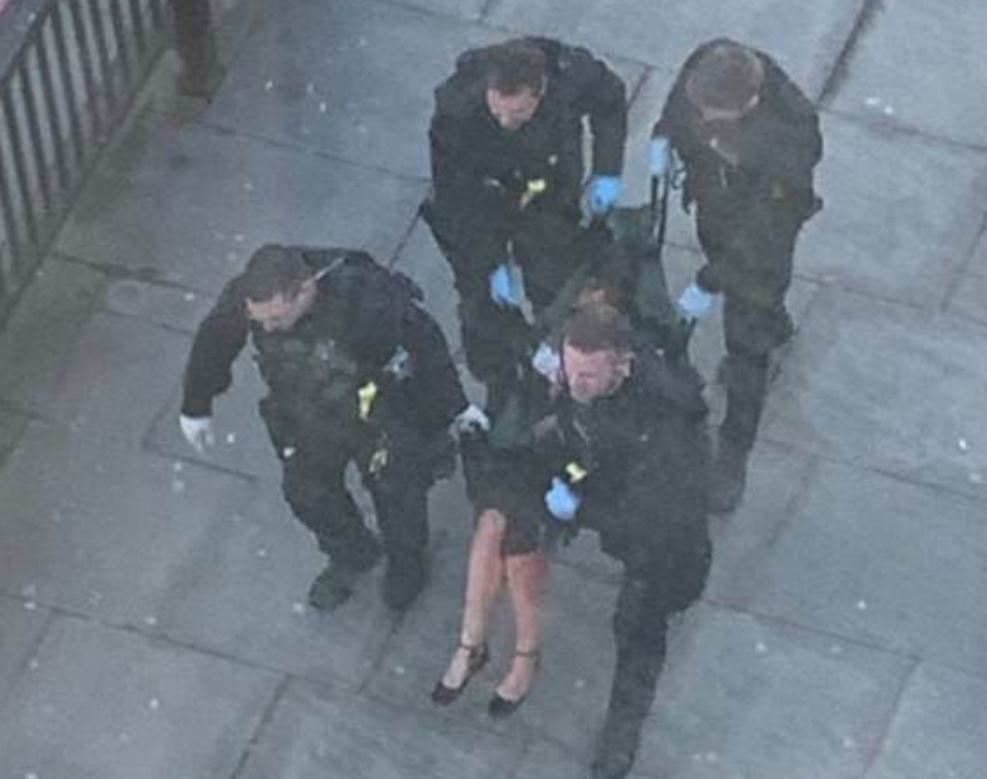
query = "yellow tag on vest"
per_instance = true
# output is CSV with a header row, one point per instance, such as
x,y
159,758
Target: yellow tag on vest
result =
x,y
535,188
366,394
575,472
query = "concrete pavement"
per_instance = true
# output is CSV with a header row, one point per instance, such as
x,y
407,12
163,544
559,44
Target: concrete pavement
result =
x,y
152,617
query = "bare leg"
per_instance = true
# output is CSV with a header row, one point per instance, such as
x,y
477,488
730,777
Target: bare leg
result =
x,y
527,578
483,583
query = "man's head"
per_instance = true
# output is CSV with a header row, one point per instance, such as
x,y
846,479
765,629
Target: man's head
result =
x,y
596,351
279,287
516,82
725,82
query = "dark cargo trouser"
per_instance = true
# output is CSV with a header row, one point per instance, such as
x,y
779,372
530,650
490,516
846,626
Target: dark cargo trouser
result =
x,y
548,245
753,257
313,482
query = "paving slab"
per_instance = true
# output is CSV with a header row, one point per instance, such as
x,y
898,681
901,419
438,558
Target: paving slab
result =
x,y
12,426
776,479
22,624
937,730
466,9
970,297
351,78
245,597
888,387
171,307
318,733
878,560
544,760
188,204
569,698
119,373
110,703
336,78
805,37
90,526
41,333
900,212
753,699
920,68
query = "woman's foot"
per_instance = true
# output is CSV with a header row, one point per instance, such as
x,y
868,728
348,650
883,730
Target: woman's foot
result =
x,y
467,661
514,687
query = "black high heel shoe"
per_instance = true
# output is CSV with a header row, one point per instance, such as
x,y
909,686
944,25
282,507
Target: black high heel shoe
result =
x,y
478,657
499,706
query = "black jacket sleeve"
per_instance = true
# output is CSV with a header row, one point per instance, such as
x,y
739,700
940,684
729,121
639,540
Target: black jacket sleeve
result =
x,y
218,340
600,94
457,100
439,393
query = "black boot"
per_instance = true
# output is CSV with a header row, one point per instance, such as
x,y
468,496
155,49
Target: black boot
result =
x,y
631,696
728,477
334,586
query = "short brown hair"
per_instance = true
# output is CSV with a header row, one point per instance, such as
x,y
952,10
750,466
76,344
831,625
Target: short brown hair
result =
x,y
726,77
274,270
515,66
598,327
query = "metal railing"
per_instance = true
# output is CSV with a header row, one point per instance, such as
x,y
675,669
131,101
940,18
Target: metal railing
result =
x,y
69,71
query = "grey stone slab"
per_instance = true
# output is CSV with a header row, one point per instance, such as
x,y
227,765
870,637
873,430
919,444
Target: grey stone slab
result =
x,y
245,597
889,73
806,37
937,730
900,212
569,696
970,299
352,78
776,479
21,626
467,9
544,760
189,204
172,307
314,734
110,703
96,528
41,333
744,698
118,375
879,560
242,444
12,426
888,387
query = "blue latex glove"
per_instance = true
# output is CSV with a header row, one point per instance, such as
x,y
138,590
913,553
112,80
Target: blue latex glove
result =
x,y
659,156
695,302
604,192
505,287
562,501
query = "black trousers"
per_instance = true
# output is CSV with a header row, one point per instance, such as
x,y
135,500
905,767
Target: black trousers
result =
x,y
395,467
548,244
752,255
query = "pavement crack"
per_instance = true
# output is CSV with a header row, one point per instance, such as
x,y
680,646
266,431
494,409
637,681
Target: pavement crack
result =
x,y
841,66
266,716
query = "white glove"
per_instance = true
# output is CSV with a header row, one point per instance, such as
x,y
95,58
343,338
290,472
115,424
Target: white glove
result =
x,y
547,362
197,431
659,155
695,302
471,420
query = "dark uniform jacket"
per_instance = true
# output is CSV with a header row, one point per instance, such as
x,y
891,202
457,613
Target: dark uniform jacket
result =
x,y
478,166
778,145
639,460
365,327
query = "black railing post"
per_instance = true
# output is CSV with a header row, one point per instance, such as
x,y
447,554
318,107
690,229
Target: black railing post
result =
x,y
196,42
